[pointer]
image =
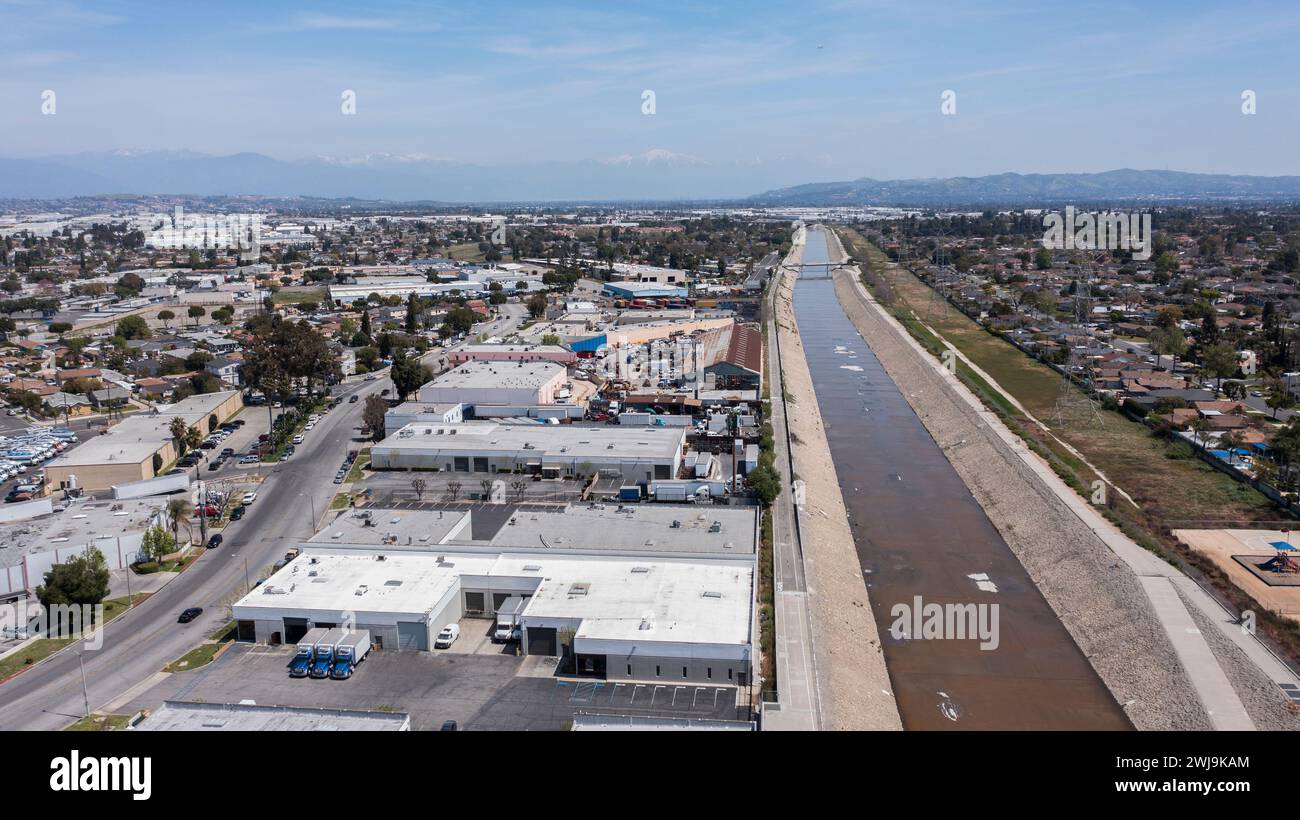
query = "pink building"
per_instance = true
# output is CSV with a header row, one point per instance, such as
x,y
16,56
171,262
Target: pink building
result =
x,y
512,353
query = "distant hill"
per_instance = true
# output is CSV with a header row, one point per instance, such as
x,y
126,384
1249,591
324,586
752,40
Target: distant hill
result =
x,y
1109,186
655,175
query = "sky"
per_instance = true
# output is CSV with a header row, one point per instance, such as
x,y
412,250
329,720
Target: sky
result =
x,y
836,89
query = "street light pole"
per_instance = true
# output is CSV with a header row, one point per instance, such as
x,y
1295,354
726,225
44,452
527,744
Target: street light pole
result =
x,y
85,694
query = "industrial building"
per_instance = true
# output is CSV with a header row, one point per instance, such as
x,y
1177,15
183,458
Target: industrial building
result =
x,y
511,353
488,382
141,446
639,454
412,412
183,716
644,617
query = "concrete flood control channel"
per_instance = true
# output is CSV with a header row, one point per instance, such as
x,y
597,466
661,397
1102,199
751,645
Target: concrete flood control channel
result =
x,y
919,533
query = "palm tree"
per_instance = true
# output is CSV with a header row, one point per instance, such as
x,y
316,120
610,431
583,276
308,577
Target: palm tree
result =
x,y
177,509
193,438
1230,441
1199,428
177,428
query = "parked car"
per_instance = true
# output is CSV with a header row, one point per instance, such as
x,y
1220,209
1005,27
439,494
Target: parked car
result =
x,y
448,726
447,636
352,400
340,476
249,459
249,498
216,464
298,439
214,541
238,512
190,614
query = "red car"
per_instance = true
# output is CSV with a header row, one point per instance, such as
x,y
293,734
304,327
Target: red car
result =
x,y
209,511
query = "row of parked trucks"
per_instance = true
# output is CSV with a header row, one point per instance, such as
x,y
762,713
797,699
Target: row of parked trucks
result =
x,y
330,653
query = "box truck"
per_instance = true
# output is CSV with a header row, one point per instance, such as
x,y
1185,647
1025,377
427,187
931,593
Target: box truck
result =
x,y
302,659
349,652
508,617
320,667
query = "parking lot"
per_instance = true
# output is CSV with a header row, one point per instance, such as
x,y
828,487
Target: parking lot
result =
x,y
479,690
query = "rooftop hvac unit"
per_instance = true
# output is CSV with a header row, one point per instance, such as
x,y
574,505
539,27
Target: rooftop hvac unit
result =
x,y
677,525
716,526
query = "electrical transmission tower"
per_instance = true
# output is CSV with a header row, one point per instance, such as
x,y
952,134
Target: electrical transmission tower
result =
x,y
1077,405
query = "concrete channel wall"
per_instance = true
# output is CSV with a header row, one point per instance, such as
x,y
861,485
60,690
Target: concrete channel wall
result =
x,y
855,685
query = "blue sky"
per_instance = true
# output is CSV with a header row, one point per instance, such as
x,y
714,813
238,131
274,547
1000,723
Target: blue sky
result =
x,y
837,89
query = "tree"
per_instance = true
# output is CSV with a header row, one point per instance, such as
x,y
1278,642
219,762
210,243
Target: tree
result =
x,y
1219,360
419,485
550,339
158,542
177,427
1168,341
518,485
1199,427
80,581
765,482
196,312
412,314
408,374
1278,397
485,484
537,306
453,489
373,415
166,316
193,438
1230,441
133,327
177,510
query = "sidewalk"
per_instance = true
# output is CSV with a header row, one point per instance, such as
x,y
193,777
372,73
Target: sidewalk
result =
x,y
799,707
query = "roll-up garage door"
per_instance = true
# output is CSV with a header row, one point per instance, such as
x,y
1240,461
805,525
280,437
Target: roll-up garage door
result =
x,y
541,641
412,635
294,629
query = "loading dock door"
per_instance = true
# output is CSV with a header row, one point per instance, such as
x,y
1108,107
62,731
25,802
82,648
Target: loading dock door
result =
x,y
412,636
294,629
541,641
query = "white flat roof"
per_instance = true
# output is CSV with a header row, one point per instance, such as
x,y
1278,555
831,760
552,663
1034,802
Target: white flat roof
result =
x,y
643,527
399,527
179,716
141,435
516,375
702,601
551,441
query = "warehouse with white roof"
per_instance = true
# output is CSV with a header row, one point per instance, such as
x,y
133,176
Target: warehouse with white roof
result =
x,y
678,617
639,454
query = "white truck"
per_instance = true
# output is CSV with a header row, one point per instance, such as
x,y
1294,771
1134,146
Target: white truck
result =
x,y
509,615
349,652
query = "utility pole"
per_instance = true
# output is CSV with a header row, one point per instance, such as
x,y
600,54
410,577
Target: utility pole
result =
x,y
85,694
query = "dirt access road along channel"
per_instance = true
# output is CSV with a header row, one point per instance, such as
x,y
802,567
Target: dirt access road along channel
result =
x,y
920,534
